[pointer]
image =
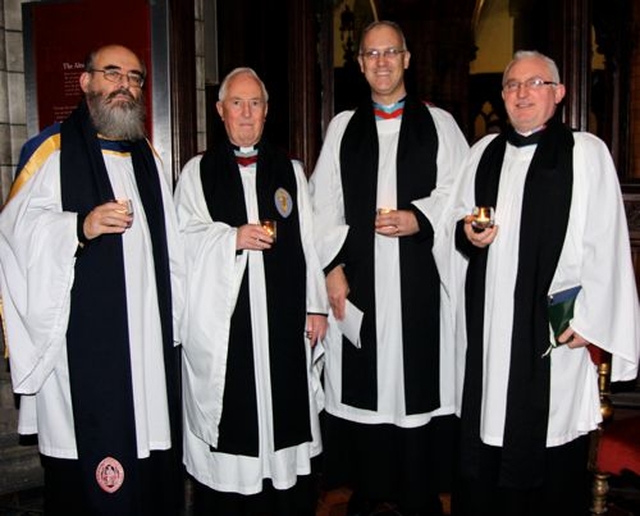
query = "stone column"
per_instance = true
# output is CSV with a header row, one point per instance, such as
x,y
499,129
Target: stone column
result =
x,y
20,465
13,128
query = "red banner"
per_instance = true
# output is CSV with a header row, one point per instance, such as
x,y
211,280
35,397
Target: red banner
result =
x,y
64,33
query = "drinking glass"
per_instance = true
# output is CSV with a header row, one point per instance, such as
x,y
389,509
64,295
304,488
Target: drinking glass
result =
x,y
271,227
483,218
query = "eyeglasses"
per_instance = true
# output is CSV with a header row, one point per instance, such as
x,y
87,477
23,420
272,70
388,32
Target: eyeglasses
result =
x,y
135,78
534,83
389,53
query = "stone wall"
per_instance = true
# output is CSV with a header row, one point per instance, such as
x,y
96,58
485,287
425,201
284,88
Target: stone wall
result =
x,y
20,467
13,128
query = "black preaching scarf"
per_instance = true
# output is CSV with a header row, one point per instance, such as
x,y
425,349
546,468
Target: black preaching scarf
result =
x,y
545,214
419,280
98,334
285,275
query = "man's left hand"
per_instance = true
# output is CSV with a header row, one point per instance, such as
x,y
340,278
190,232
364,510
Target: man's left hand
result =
x,y
397,223
572,339
316,328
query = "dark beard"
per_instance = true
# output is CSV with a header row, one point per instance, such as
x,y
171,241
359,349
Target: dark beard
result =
x,y
121,121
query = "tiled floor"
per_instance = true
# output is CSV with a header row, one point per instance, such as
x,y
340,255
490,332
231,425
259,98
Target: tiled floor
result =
x,y
29,503
333,503
25,503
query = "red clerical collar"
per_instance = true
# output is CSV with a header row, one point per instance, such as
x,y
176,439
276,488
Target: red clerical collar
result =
x,y
245,161
380,114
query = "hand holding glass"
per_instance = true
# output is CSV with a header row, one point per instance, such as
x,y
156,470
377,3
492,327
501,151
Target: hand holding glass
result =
x,y
127,207
483,218
271,227
383,212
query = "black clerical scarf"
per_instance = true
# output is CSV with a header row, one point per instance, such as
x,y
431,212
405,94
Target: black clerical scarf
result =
x,y
98,335
285,276
419,280
545,214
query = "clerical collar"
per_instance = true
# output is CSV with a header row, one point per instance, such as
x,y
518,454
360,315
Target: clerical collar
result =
x,y
244,150
521,140
388,112
245,156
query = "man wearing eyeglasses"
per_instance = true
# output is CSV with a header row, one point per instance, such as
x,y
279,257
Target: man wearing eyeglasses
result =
x,y
528,387
378,188
90,275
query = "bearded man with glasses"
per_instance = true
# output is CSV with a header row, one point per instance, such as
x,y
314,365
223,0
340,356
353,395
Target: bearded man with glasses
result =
x,y
91,275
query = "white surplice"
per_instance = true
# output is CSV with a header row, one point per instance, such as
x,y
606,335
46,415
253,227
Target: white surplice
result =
x,y
215,272
331,231
595,255
38,243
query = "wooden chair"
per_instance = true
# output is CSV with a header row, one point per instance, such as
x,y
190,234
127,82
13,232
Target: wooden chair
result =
x,y
615,445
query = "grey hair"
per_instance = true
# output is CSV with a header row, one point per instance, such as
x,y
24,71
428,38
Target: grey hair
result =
x,y
384,23
238,71
528,54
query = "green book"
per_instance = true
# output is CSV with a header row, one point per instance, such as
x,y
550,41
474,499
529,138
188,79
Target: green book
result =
x,y
561,310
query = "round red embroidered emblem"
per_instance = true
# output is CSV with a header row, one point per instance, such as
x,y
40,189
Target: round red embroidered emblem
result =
x,y
109,475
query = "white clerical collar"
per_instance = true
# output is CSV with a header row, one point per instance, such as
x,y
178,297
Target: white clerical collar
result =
x,y
529,133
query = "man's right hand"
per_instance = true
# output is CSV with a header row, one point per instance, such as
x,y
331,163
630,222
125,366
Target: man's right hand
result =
x,y
479,239
337,291
109,217
253,237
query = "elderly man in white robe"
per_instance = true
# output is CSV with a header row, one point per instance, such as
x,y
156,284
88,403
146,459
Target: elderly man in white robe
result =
x,y
527,384
256,307
91,273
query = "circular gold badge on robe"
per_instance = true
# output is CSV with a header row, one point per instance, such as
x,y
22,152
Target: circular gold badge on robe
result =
x,y
284,202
